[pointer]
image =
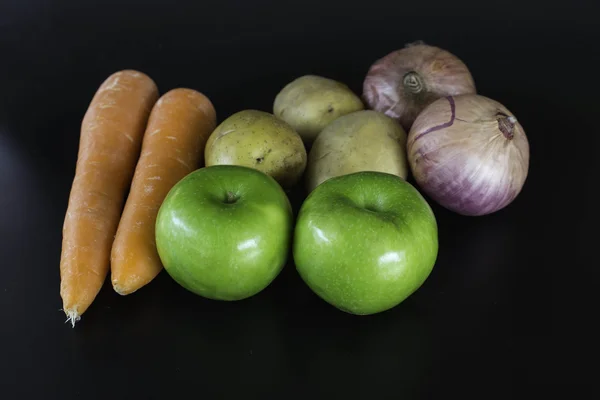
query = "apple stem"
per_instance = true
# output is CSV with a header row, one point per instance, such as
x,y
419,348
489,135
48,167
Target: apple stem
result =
x,y
231,198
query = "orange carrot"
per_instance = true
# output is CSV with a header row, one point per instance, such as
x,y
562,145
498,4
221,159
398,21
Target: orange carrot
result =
x,y
179,126
111,137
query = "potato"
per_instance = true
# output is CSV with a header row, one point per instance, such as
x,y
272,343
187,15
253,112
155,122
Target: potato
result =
x,y
258,140
311,102
361,141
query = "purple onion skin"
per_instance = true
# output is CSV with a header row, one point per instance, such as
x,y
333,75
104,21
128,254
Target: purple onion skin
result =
x,y
405,81
469,154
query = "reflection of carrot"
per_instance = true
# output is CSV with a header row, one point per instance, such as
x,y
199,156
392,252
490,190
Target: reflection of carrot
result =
x,y
111,137
179,126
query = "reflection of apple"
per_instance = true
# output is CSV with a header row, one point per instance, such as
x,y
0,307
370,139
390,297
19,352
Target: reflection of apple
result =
x,y
224,232
366,241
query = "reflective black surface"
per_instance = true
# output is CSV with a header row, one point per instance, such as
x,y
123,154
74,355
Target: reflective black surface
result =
x,y
508,309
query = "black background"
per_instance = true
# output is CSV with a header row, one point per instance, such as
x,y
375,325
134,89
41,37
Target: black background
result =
x,y
507,311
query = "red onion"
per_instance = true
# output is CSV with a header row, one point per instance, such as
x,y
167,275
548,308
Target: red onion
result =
x,y
404,82
469,154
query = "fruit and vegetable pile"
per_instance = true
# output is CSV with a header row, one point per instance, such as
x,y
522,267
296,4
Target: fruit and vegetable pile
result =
x,y
159,184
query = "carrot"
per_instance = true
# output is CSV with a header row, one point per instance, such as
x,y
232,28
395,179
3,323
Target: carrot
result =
x,y
179,126
110,141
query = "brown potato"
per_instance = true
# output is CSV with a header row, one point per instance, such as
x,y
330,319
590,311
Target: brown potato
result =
x,y
258,140
312,102
361,141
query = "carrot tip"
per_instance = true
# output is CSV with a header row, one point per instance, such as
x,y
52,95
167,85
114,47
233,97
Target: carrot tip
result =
x,y
123,291
118,289
72,316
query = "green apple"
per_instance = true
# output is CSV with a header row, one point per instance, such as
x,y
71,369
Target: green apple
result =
x,y
224,232
365,241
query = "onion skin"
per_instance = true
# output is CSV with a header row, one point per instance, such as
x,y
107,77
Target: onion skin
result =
x,y
404,82
469,154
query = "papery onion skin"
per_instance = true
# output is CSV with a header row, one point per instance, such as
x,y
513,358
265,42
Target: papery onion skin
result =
x,y
404,82
469,154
